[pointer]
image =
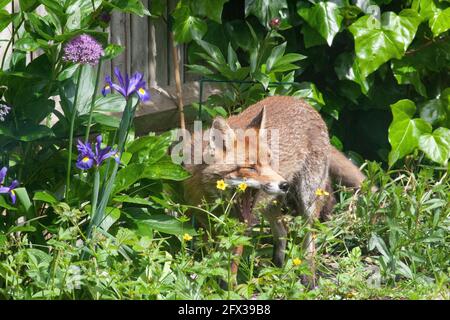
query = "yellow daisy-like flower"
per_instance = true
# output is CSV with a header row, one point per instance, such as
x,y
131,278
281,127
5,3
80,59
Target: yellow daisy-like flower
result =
x,y
221,185
296,262
242,186
321,192
187,237
274,201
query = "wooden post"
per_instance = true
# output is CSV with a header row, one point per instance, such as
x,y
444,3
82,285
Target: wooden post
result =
x,y
176,63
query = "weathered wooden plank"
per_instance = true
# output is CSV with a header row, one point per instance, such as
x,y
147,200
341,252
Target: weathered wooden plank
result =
x,y
160,51
119,30
139,44
181,52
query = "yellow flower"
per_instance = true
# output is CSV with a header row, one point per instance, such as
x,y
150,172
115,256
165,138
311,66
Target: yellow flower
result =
x,y
274,201
296,262
242,186
187,237
321,192
221,185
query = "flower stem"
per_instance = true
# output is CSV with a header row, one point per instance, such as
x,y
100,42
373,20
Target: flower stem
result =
x,y
94,215
72,124
97,79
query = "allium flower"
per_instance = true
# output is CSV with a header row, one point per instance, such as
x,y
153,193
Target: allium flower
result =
x,y
83,49
275,23
88,157
127,86
8,190
4,110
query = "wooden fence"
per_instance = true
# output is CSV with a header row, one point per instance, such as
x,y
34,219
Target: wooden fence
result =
x,y
148,49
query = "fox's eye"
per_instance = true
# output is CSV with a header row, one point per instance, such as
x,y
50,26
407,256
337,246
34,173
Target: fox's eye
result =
x,y
251,169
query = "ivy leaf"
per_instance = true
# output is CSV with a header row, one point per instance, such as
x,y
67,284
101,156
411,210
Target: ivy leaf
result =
x,y
440,21
311,37
187,27
208,8
376,42
406,73
436,145
264,10
347,69
404,132
324,17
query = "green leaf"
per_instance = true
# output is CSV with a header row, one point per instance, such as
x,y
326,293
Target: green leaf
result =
x,y
185,26
165,169
164,223
376,42
128,176
440,21
113,102
406,73
207,8
309,92
404,132
45,196
112,51
134,200
436,145
311,37
434,112
325,18
26,44
111,215
213,51
347,68
232,58
33,132
265,10
275,55
5,19
130,6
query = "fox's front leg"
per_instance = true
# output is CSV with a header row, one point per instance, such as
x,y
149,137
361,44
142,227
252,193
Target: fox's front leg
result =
x,y
279,232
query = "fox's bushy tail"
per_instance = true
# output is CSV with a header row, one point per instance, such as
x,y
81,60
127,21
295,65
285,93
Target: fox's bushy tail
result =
x,y
343,171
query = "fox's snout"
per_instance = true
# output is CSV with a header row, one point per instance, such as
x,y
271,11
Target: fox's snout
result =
x,y
272,187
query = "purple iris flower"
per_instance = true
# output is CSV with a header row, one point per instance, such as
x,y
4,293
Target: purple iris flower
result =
x,y
88,157
9,190
127,86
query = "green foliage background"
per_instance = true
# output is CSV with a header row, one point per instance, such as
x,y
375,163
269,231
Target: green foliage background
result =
x,y
377,70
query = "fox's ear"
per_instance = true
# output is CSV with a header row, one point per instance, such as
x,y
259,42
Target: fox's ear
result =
x,y
259,122
221,135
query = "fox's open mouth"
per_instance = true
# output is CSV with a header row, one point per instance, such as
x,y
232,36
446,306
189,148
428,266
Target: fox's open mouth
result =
x,y
246,202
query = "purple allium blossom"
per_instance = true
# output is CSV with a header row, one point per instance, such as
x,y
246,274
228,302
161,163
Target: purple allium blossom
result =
x,y
83,49
88,157
8,190
127,86
4,110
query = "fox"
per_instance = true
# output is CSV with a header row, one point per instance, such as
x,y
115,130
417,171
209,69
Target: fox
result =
x,y
287,176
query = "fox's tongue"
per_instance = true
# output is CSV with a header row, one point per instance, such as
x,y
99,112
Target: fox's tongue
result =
x,y
246,208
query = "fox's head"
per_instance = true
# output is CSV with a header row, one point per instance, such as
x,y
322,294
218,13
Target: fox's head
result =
x,y
242,155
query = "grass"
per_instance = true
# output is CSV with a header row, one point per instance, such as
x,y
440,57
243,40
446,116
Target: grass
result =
x,y
391,244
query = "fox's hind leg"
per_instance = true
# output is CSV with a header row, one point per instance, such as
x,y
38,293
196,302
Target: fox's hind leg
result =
x,y
279,231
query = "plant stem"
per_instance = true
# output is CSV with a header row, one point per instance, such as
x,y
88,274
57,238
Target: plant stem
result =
x,y
10,42
72,124
97,79
94,215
